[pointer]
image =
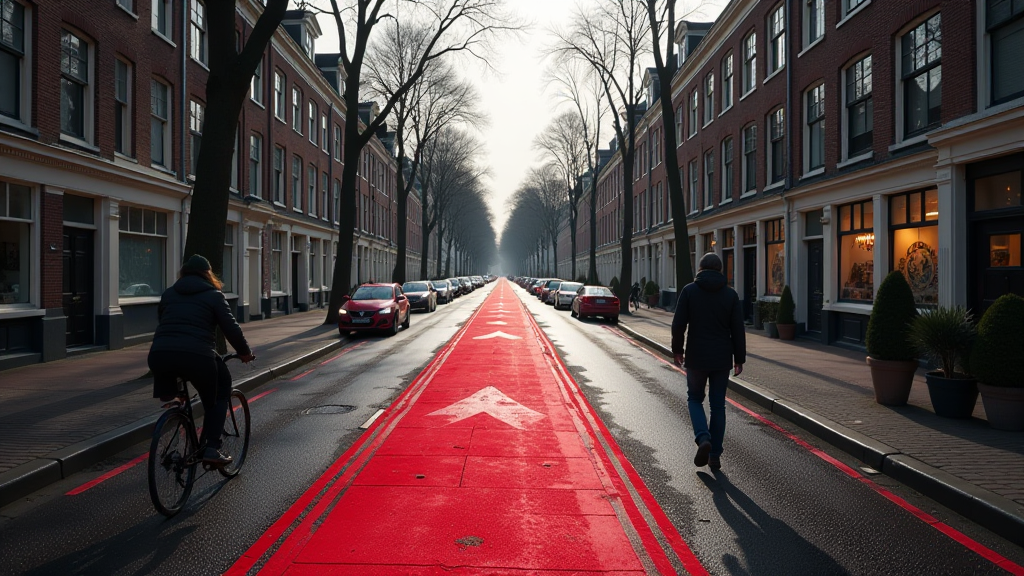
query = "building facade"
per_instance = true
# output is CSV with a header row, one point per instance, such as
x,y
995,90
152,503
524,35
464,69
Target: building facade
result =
x,y
101,116
825,144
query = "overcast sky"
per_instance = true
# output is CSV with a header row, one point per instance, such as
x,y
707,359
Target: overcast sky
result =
x,y
515,98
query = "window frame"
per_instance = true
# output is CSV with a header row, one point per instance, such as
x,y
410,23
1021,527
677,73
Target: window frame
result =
x,y
297,109
256,84
855,208
851,102
196,117
280,187
776,45
694,117
991,28
167,146
709,98
313,111
255,164
123,108
197,32
280,98
311,172
125,229
906,77
749,175
165,29
814,18
22,55
709,179
749,72
694,186
727,82
728,174
776,134
297,190
88,89
811,128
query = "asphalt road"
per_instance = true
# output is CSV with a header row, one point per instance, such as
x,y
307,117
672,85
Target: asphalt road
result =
x,y
775,508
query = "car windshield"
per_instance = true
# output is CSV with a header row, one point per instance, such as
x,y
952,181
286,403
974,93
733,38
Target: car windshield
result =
x,y
373,293
598,291
569,286
553,283
440,285
415,287
454,282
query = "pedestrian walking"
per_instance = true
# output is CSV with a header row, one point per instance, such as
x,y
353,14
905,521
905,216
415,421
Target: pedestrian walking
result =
x,y
708,339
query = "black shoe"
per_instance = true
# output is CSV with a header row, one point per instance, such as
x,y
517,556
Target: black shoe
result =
x,y
715,462
216,458
703,450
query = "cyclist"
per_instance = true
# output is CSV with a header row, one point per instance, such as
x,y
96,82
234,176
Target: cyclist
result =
x,y
184,346
634,295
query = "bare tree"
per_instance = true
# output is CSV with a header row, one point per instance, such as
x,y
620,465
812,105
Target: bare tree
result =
x,y
448,170
566,145
662,26
456,27
541,194
612,41
230,75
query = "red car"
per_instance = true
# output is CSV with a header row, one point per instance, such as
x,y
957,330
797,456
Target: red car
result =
x,y
374,307
595,301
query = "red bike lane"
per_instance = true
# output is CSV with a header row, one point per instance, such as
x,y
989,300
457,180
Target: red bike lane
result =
x,y
490,462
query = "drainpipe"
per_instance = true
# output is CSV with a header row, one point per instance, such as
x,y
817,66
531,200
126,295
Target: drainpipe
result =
x,y
183,124
789,148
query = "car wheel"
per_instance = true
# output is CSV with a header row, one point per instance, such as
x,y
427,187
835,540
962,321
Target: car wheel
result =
x,y
581,316
408,320
614,319
572,312
394,325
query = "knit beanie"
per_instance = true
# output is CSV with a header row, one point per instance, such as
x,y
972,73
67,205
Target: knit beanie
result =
x,y
196,263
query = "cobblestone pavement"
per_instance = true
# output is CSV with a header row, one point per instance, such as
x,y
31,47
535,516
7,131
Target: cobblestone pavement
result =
x,y
46,407
836,383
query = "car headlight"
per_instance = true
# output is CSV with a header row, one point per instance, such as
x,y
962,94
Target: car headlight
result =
x,y
386,310
342,311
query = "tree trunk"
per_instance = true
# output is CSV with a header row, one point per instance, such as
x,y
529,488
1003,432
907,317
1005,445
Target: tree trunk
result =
x,y
592,273
626,243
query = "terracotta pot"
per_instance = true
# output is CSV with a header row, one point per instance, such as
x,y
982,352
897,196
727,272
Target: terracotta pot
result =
x,y
892,380
653,300
786,331
1003,406
952,397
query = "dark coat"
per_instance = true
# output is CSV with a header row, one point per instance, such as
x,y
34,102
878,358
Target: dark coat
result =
x,y
189,313
714,315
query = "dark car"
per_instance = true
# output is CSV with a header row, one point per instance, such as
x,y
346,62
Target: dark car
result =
x,y
546,289
374,307
445,291
421,294
459,287
596,301
467,282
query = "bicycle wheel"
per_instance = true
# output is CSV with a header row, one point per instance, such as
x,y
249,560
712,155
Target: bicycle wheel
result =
x,y
172,462
235,439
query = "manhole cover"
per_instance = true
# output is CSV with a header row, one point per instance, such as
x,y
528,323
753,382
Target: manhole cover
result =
x,y
330,409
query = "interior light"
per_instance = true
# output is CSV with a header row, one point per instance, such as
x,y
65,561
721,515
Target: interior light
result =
x,y
931,214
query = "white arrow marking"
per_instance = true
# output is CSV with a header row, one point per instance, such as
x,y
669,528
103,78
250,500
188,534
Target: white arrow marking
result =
x,y
498,334
494,402
499,323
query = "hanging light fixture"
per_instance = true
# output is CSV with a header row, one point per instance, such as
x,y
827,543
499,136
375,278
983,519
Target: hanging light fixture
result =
x,y
866,242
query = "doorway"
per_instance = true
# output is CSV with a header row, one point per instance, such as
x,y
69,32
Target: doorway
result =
x,y
997,265
749,282
815,284
78,286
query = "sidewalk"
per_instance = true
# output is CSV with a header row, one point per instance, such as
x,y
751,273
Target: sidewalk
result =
x,y
963,464
60,417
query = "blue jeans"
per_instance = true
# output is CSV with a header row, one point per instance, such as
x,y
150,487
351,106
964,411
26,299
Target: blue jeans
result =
x,y
696,381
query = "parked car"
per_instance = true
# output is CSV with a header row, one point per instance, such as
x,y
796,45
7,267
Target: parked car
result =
x,y
467,282
460,288
477,281
445,291
374,307
421,294
535,286
545,290
595,301
565,294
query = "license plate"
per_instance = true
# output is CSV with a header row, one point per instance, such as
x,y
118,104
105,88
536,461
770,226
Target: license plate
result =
x,y
601,301
361,320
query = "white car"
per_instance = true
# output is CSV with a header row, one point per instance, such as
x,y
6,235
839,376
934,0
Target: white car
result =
x,y
564,294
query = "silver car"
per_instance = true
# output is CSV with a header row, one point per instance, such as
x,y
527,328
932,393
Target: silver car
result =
x,y
563,295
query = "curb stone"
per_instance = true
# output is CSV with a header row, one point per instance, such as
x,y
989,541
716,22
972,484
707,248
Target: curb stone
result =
x,y
1000,515
25,479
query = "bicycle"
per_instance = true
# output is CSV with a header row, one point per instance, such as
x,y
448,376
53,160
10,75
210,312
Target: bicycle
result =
x,y
174,452
634,301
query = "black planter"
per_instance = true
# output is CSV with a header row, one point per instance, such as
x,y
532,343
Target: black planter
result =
x,y
952,397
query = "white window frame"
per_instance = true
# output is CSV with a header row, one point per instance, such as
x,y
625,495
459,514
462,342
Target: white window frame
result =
x,y
280,100
337,142
311,190
325,190
776,45
256,84
846,106
280,187
88,93
168,25
749,73
814,11
849,8
197,32
679,126
769,149
728,169
709,180
694,185
709,98
324,135
22,118
296,109
728,73
124,107
808,169
196,116
311,120
694,117
297,192
168,151
255,165
749,143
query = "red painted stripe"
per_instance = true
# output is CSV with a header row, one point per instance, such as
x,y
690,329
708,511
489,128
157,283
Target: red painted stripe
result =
x,y
953,533
138,459
316,495
345,351
306,373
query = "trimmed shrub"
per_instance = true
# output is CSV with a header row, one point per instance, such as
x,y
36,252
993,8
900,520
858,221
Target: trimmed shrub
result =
x,y
894,310
997,358
768,310
614,284
786,307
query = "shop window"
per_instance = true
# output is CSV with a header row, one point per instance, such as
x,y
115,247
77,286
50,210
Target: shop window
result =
x,y
1004,250
856,251
728,256
774,256
913,224
227,275
15,243
142,252
999,191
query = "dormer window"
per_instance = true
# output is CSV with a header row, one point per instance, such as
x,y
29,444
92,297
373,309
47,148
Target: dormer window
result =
x,y
307,43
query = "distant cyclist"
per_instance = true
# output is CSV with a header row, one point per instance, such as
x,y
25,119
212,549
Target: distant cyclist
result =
x,y
185,346
634,296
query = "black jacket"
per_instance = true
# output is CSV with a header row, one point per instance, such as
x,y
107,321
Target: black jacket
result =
x,y
189,312
713,313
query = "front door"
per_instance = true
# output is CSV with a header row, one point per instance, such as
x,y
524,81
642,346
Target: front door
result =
x,y
815,284
997,264
295,280
749,282
77,298
728,265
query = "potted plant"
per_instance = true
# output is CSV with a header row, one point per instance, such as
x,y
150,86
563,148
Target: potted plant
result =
x,y
945,335
891,356
653,293
785,322
997,359
769,315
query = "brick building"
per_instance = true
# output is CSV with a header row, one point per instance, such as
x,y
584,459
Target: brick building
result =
x,y
824,144
101,115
